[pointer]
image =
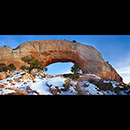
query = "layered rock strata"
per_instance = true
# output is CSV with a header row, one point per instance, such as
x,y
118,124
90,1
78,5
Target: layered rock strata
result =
x,y
51,51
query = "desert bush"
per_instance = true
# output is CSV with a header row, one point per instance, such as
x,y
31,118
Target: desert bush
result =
x,y
117,90
67,84
74,41
72,76
1,69
23,67
68,75
92,81
105,86
36,64
5,68
75,69
33,63
2,65
65,75
75,76
28,59
12,66
124,88
101,85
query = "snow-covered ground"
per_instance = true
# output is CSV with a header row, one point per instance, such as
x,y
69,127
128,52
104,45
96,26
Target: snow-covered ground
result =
x,y
38,86
47,85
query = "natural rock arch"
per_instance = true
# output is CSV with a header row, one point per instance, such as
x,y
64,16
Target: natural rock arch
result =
x,y
52,51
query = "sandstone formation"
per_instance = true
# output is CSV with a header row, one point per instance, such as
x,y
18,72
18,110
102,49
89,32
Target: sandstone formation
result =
x,y
2,76
51,51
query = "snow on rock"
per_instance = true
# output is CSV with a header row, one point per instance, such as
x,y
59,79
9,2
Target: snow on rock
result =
x,y
91,89
91,75
6,91
58,81
114,83
71,91
96,77
23,83
2,75
41,87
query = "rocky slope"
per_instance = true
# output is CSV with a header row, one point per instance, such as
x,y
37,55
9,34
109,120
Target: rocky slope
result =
x,y
38,83
51,51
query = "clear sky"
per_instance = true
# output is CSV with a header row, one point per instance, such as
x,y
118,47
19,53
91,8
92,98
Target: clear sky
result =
x,y
114,48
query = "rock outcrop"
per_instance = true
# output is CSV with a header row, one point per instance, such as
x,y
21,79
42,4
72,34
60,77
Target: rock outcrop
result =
x,y
2,76
51,51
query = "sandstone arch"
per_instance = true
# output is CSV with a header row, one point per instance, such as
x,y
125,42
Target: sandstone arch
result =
x,y
52,51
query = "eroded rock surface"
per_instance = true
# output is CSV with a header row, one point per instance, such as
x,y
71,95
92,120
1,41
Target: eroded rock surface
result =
x,y
51,51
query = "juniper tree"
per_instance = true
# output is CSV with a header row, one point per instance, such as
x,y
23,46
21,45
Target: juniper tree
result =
x,y
28,59
12,66
33,63
75,69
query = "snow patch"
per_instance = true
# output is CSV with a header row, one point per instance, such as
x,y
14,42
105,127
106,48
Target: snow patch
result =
x,y
41,87
58,81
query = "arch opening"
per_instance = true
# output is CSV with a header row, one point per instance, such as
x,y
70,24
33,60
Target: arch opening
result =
x,y
58,68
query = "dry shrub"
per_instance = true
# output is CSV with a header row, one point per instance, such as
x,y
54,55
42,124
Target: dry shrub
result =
x,y
48,85
67,84
101,85
35,92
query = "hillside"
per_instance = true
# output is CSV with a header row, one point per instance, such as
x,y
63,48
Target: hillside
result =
x,y
38,83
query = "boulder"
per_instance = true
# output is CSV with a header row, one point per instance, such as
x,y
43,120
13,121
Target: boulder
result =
x,y
34,70
42,74
2,75
25,77
2,86
53,91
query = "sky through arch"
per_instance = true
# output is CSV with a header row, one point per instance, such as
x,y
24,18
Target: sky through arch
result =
x,y
60,68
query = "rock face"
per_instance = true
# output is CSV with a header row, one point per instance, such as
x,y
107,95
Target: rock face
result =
x,y
51,51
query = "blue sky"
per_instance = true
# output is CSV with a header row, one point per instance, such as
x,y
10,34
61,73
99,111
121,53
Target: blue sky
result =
x,y
114,48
